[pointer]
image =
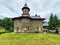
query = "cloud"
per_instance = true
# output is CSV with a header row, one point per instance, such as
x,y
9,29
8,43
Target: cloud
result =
x,y
12,8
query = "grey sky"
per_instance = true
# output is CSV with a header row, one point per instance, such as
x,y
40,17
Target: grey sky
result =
x,y
12,8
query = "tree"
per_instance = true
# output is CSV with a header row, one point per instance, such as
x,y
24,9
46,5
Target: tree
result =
x,y
55,20
7,23
50,23
0,22
58,21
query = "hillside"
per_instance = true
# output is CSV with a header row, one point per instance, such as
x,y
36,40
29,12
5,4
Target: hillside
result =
x,y
29,39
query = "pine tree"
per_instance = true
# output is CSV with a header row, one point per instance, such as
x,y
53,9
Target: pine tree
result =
x,y
55,21
50,23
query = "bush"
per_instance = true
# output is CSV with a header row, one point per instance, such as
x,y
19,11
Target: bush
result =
x,y
52,31
2,30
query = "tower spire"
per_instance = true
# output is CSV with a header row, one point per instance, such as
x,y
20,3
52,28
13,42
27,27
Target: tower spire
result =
x,y
25,5
25,9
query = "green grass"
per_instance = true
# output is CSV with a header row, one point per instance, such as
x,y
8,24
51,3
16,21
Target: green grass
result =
x,y
29,39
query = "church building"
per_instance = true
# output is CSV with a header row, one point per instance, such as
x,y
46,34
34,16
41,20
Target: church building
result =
x,y
26,23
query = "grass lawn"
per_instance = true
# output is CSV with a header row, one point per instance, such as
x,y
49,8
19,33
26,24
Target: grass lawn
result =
x,y
29,39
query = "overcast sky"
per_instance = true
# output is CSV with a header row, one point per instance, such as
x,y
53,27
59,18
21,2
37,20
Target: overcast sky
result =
x,y
12,8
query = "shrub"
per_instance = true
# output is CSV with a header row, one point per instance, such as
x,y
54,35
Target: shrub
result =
x,y
2,30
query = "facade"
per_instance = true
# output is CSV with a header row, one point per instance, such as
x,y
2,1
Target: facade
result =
x,y
27,23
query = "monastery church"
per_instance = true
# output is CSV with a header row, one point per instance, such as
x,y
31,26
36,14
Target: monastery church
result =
x,y
26,23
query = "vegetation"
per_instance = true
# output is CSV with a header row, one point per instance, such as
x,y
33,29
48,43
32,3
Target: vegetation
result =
x,y
29,39
7,23
58,23
2,30
53,22
50,26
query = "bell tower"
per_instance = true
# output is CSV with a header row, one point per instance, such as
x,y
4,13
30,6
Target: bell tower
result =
x,y
25,10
